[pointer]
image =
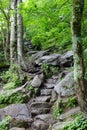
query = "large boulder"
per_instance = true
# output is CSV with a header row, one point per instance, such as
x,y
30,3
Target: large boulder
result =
x,y
19,113
52,59
66,86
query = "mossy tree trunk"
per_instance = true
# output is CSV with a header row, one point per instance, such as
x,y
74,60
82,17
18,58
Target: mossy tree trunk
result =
x,y
80,87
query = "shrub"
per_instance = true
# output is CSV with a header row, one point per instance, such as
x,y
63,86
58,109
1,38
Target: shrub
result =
x,y
80,123
4,124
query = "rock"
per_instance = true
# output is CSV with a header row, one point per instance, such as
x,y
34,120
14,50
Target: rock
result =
x,y
43,99
46,118
16,128
39,54
38,111
46,92
66,86
40,105
66,60
69,113
36,82
52,59
59,125
49,86
40,125
54,96
20,115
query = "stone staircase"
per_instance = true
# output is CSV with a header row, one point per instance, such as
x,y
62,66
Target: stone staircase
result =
x,y
41,108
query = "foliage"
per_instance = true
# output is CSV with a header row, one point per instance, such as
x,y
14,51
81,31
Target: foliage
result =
x,y
4,123
57,111
47,23
12,77
49,70
46,69
79,123
14,98
72,102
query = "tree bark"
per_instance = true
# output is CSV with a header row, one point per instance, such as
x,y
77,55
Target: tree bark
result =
x,y
19,35
80,87
13,38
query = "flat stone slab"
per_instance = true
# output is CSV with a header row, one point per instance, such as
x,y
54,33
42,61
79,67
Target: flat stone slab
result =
x,y
40,105
39,111
52,59
46,92
59,125
49,86
46,117
43,99
69,113
16,128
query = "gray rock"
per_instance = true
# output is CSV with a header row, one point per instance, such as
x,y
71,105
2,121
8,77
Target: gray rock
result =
x,y
54,96
36,82
46,117
40,125
69,113
52,59
39,111
66,86
39,54
16,128
46,92
59,125
66,60
20,115
40,105
43,99
49,86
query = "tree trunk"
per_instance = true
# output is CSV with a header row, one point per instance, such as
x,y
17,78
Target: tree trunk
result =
x,y
7,41
19,35
13,39
81,93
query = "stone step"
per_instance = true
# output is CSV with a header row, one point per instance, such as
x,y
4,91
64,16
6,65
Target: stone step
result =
x,y
46,117
49,86
37,105
39,111
43,98
40,125
46,92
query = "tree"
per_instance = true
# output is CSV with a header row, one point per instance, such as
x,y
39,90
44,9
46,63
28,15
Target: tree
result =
x,y
13,34
5,11
19,34
80,87
16,38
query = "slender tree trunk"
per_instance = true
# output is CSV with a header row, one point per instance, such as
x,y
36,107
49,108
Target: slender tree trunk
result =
x,y
13,39
19,35
81,90
7,45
